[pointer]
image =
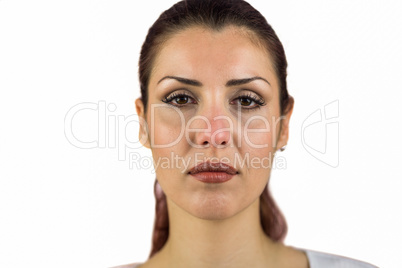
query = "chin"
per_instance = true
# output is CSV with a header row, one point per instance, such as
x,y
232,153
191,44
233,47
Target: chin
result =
x,y
213,208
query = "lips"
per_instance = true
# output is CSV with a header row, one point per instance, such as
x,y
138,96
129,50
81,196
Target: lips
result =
x,y
213,172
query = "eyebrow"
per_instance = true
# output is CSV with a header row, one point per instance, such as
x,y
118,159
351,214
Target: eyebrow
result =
x,y
230,83
238,82
186,81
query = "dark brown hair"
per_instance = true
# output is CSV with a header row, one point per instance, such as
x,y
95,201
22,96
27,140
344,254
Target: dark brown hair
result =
x,y
215,15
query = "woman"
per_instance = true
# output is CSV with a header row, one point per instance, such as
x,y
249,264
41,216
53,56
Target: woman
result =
x,y
215,110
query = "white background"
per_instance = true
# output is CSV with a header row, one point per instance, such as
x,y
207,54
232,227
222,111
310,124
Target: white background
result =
x,y
69,207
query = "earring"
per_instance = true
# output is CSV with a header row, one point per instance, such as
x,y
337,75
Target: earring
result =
x,y
283,148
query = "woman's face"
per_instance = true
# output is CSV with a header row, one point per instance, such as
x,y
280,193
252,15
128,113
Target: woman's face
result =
x,y
213,96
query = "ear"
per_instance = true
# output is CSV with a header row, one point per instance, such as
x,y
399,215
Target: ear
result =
x,y
143,130
284,132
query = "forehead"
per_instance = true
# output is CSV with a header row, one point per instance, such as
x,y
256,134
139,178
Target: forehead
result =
x,y
213,56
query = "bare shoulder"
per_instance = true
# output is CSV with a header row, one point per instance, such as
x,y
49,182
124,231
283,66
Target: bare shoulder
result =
x,y
154,262
130,265
292,257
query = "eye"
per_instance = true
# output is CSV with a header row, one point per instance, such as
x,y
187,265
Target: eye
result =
x,y
245,101
249,101
179,99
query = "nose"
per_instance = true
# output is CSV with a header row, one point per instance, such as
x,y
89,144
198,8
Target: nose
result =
x,y
212,128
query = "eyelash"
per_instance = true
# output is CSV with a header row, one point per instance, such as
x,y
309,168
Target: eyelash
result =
x,y
256,99
169,99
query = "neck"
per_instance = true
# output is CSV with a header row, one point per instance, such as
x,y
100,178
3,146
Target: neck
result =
x,y
238,241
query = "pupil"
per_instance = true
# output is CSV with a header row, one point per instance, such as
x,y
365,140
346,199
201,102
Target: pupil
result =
x,y
245,102
181,100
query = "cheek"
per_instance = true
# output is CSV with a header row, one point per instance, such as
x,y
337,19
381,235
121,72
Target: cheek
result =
x,y
259,134
258,146
166,127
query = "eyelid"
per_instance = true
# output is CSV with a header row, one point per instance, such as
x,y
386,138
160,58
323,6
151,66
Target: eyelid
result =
x,y
248,90
251,93
181,91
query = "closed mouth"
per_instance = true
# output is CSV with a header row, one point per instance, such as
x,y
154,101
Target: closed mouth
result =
x,y
213,167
